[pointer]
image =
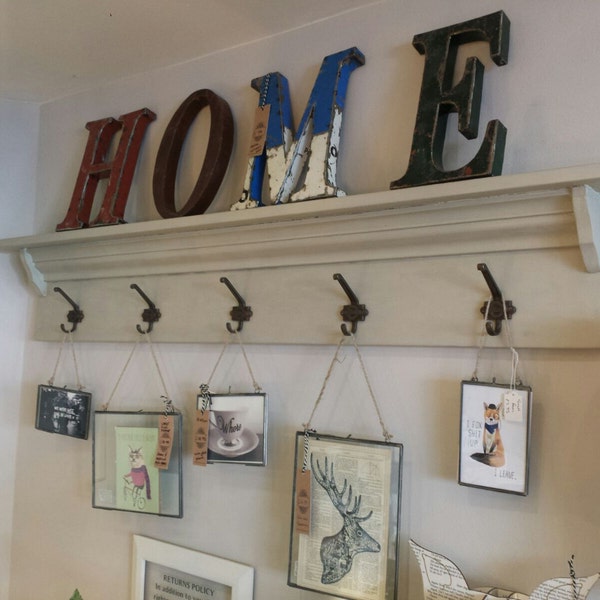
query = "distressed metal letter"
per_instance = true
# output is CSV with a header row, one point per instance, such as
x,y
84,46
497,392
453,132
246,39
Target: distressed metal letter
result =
x,y
439,98
305,168
216,159
94,166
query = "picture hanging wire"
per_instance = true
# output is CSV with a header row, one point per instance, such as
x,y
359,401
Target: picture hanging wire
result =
x,y
69,335
353,313
150,316
205,387
169,406
485,328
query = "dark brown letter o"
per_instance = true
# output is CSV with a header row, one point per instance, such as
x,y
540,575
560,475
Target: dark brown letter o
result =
x,y
216,159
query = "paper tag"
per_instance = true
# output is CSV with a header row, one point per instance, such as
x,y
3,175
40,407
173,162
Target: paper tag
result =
x,y
201,438
259,130
302,511
166,427
512,403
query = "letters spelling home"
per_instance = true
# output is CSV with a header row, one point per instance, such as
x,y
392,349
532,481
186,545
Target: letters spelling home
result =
x,y
301,166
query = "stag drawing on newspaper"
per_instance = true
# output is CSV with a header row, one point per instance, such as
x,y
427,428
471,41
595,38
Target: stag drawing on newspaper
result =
x,y
339,550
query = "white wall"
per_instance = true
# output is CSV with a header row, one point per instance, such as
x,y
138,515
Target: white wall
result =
x,y
546,96
19,133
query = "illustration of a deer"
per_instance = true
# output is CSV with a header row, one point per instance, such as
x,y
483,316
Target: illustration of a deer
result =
x,y
338,551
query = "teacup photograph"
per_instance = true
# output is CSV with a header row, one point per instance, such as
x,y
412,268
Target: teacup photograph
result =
x,y
230,426
237,429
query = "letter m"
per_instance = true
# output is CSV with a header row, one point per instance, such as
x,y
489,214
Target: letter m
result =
x,y
305,167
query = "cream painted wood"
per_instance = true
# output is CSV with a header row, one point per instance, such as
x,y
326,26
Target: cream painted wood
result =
x,y
410,255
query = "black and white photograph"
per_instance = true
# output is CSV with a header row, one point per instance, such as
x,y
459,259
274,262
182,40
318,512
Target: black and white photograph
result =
x,y
63,411
237,430
351,549
494,437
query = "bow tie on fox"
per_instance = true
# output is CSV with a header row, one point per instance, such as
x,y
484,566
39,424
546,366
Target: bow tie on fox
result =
x,y
493,448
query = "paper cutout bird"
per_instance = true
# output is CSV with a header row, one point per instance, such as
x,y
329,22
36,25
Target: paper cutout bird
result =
x,y
442,580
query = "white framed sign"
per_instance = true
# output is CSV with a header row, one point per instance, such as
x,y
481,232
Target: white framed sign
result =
x,y
171,572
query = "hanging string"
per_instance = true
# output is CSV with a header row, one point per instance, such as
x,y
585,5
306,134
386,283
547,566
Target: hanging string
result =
x,y
482,339
114,390
205,387
68,335
320,396
207,384
79,386
60,350
257,387
387,436
515,354
162,379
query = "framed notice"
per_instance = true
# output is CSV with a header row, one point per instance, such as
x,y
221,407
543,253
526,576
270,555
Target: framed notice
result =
x,y
351,549
63,411
169,572
237,428
126,475
494,437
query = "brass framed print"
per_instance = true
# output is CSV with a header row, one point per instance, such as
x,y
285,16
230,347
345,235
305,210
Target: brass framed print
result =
x,y
351,548
63,411
127,470
494,437
165,571
237,430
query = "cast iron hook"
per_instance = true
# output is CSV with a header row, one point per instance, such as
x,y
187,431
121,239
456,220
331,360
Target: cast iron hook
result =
x,y
74,316
239,313
352,312
151,314
497,309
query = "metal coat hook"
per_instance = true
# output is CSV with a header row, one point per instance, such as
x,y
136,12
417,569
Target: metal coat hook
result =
x,y
74,316
239,313
352,312
151,314
497,309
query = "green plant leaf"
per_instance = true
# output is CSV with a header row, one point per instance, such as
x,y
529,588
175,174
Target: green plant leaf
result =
x,y
76,596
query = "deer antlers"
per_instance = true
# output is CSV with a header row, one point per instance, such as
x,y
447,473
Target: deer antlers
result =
x,y
327,482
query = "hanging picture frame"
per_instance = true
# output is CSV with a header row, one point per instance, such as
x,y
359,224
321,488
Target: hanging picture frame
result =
x,y
63,411
168,571
237,428
351,549
124,473
494,437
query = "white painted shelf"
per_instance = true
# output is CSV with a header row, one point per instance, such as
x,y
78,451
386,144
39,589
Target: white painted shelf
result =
x,y
410,255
